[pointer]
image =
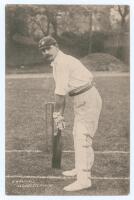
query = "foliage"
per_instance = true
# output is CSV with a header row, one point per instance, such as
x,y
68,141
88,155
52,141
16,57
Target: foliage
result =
x,y
103,62
40,20
79,29
120,18
98,39
82,41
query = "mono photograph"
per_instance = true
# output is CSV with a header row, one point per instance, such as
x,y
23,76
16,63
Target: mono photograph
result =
x,y
67,100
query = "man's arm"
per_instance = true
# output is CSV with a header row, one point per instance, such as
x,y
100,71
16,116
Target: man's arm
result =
x,y
60,103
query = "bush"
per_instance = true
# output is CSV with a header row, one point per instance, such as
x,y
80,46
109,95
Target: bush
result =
x,y
80,42
103,62
77,43
98,39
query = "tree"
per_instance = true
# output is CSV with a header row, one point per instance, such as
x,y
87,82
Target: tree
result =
x,y
123,11
45,17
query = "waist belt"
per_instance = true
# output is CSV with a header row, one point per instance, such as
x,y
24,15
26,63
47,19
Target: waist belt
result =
x,y
81,89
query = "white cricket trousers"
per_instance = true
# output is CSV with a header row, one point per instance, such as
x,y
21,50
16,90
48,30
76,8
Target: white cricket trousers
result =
x,y
87,108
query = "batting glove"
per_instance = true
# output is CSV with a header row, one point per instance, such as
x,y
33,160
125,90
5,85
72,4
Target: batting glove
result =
x,y
59,120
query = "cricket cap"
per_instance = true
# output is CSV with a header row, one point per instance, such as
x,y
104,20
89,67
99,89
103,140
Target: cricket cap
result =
x,y
46,42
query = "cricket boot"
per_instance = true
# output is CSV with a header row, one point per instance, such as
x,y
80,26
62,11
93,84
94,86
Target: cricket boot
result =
x,y
70,172
77,185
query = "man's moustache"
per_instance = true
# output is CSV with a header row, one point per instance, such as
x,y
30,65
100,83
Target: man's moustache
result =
x,y
47,56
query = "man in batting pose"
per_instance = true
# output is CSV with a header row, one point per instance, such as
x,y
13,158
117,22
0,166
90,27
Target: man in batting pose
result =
x,y
72,78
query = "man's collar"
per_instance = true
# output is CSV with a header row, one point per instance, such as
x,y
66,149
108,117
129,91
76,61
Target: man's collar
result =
x,y
56,58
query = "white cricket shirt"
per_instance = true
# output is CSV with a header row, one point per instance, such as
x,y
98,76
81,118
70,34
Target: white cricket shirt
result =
x,y
69,73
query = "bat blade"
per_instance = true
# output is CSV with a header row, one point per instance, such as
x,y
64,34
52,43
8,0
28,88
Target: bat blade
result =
x,y
57,150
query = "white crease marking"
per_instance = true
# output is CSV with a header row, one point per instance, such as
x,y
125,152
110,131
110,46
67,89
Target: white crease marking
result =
x,y
64,177
49,75
65,151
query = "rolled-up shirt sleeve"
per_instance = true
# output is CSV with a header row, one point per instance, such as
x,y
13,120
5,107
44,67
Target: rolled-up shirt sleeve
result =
x,y
61,79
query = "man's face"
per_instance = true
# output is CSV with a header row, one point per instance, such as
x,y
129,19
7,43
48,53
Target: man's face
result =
x,y
49,53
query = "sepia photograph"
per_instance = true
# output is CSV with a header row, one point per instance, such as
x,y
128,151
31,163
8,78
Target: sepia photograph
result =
x,y
67,100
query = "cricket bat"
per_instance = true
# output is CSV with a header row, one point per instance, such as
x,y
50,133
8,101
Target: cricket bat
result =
x,y
57,149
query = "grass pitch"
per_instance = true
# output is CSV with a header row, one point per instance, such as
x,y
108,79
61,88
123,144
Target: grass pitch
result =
x,y
28,164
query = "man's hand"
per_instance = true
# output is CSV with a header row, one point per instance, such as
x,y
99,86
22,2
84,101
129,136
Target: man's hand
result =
x,y
59,120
